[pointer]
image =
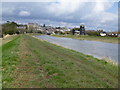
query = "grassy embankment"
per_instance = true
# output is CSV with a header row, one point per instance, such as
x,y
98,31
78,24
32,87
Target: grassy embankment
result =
x,y
93,38
29,62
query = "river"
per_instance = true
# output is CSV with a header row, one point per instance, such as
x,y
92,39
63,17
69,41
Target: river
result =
x,y
97,49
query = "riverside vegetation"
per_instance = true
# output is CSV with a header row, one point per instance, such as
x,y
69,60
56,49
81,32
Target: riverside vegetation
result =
x,y
93,38
33,63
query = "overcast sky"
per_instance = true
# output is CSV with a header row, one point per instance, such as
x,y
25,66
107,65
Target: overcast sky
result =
x,y
70,13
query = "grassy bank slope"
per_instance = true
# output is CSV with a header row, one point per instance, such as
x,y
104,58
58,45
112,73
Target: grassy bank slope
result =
x,y
93,38
29,62
9,59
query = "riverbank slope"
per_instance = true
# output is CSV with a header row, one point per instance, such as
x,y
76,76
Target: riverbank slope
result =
x,y
33,63
93,38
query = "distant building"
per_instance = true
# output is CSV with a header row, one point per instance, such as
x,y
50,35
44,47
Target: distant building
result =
x,y
44,25
22,27
82,30
73,31
113,34
103,34
34,27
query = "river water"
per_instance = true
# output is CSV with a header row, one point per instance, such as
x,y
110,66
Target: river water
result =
x,y
97,49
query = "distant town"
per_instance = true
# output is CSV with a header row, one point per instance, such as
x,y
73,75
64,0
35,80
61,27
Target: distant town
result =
x,y
15,28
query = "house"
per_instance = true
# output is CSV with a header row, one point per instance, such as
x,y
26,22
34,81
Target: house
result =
x,y
113,34
103,34
22,27
82,29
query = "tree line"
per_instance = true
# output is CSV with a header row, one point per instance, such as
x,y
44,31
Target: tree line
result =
x,y
11,28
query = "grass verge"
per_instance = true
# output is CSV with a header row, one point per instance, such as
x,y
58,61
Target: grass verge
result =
x,y
9,59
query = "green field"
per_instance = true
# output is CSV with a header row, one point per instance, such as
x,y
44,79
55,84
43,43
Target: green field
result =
x,y
32,63
93,38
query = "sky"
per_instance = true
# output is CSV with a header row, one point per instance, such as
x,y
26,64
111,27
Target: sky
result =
x,y
95,14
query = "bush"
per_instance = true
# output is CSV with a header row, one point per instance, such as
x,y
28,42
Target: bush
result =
x,y
9,28
93,33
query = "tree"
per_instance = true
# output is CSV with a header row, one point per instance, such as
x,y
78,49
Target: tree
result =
x,y
93,33
44,25
9,28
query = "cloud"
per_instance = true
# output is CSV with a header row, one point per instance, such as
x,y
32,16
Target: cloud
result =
x,y
64,12
28,0
24,13
65,7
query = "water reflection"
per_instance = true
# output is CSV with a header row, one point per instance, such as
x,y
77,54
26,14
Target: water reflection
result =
x,y
94,48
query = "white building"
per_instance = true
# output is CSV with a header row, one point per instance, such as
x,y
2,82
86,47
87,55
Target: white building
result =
x,y
103,34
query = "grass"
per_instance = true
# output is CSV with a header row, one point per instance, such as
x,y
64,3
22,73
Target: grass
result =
x,y
7,39
93,38
32,63
9,59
